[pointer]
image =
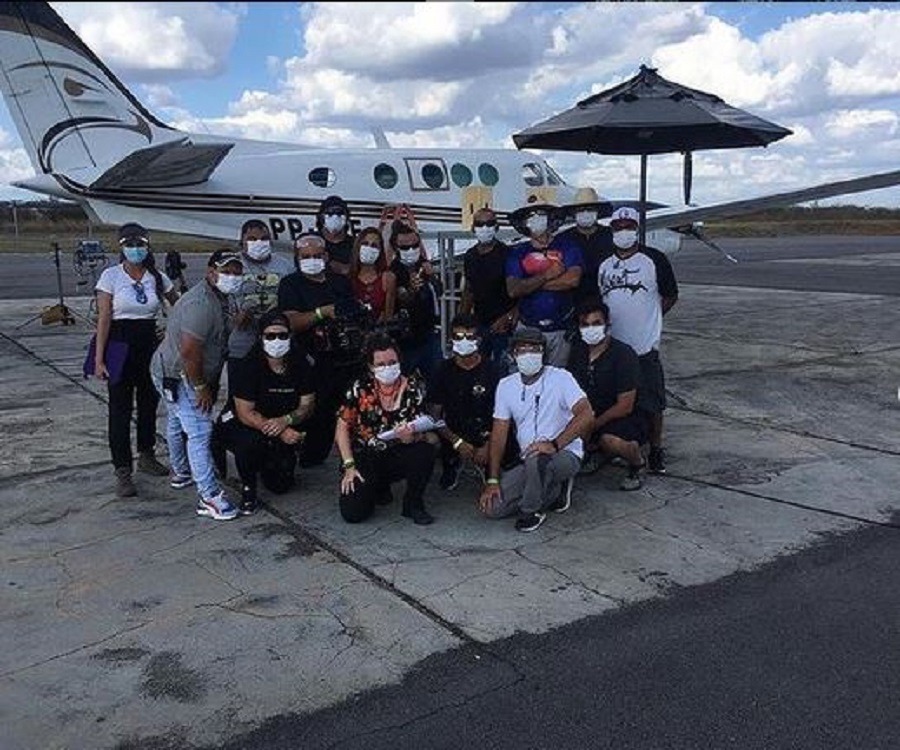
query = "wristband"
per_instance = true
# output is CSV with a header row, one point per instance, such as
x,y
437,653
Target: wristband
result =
x,y
458,442
492,481
319,315
348,463
555,445
199,386
289,418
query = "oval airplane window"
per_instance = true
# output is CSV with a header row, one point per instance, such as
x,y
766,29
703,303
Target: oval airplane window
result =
x,y
532,175
322,177
433,176
385,175
488,174
461,174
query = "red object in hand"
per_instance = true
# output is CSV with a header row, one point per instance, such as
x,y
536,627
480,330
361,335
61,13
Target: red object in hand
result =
x,y
535,263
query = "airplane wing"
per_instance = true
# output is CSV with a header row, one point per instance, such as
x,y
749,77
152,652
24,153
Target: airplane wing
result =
x,y
171,164
673,218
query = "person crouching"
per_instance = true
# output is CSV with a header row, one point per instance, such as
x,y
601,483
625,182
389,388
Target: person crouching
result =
x,y
271,396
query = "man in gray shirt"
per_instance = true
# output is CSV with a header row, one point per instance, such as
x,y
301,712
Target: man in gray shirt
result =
x,y
263,270
186,369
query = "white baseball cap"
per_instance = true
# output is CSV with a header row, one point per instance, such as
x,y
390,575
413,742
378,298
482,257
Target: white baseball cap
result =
x,y
625,214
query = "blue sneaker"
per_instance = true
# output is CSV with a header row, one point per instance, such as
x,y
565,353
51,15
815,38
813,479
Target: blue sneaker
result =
x,y
217,508
180,481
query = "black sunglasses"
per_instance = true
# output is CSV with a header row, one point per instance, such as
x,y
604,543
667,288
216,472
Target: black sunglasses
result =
x,y
281,335
491,223
140,293
408,247
465,336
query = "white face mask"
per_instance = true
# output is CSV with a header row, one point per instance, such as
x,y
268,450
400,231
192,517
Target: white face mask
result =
x,y
593,334
485,234
368,254
536,224
409,257
586,219
277,348
625,238
465,347
259,249
387,374
530,363
334,222
312,266
228,284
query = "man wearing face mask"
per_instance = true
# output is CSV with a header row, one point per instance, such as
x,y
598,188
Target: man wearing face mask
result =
x,y
550,413
542,274
333,222
263,271
186,369
484,292
638,285
594,239
608,371
462,394
313,299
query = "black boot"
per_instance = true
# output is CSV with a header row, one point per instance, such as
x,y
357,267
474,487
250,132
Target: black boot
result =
x,y
249,502
415,509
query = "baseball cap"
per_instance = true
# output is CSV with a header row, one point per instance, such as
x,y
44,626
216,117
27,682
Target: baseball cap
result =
x,y
527,336
625,214
223,257
133,231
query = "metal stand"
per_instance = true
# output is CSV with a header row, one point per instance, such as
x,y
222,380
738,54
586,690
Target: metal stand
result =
x,y
60,312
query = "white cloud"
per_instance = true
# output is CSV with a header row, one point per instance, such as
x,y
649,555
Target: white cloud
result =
x,y
157,41
862,125
159,96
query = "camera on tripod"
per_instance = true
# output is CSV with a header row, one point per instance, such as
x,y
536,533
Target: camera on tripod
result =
x,y
344,335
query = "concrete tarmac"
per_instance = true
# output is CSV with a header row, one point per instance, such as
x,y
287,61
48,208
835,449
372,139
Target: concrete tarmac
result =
x,y
134,623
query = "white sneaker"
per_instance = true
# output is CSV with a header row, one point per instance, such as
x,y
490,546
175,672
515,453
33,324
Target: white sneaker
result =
x,y
217,508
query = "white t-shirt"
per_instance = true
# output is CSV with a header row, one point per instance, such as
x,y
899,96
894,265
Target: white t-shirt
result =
x,y
630,290
542,409
125,305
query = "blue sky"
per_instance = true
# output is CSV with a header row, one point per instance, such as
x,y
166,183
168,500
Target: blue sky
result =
x,y
464,74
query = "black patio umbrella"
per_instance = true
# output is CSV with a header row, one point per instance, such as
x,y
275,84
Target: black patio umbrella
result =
x,y
649,115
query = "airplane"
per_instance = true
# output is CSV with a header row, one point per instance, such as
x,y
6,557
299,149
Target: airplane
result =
x,y
92,142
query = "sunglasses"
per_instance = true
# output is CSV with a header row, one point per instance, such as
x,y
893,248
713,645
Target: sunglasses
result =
x,y
140,294
491,223
281,336
408,247
465,337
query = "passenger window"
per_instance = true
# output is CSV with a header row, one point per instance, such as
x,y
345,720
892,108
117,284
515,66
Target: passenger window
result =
x,y
385,176
461,174
488,174
427,174
322,177
532,175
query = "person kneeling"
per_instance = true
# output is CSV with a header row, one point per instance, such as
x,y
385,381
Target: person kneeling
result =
x,y
549,412
380,401
608,371
271,395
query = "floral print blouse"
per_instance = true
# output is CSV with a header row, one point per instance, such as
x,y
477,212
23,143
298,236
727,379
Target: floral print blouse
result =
x,y
362,410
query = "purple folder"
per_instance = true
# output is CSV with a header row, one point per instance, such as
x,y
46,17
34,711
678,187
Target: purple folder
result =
x,y
116,354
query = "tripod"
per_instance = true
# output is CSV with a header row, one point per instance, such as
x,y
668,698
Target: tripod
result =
x,y
60,312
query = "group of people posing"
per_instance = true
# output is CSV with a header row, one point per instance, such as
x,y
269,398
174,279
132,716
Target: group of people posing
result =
x,y
554,361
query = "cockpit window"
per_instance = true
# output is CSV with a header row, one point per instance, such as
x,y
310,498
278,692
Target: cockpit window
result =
x,y
553,177
385,176
532,175
488,174
322,177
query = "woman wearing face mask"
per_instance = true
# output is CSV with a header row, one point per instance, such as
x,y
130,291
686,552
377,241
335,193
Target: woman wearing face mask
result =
x,y
374,286
383,400
130,295
418,294
271,397
334,223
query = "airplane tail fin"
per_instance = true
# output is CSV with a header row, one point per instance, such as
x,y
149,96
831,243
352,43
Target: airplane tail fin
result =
x,y
71,112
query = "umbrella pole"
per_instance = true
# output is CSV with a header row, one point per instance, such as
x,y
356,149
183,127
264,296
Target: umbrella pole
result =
x,y
642,238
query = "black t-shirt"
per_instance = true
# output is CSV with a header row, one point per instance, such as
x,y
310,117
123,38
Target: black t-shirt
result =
x,y
422,306
251,379
467,397
615,371
298,292
486,279
595,248
340,251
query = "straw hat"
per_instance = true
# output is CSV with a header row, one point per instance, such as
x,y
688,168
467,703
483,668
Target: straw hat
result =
x,y
586,199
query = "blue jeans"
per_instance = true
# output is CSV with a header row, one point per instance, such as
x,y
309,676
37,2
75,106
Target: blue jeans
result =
x,y
184,416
